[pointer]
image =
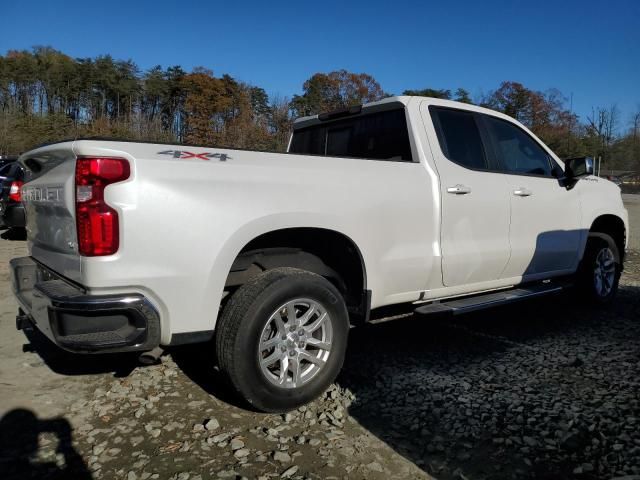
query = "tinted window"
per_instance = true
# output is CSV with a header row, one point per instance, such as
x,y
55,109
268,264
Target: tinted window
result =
x,y
459,137
381,135
518,152
309,140
12,171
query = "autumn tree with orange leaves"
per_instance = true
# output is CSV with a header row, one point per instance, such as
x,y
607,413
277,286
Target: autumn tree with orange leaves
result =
x,y
324,92
204,101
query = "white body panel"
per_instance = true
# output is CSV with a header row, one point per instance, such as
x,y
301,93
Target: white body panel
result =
x,y
545,233
183,221
474,235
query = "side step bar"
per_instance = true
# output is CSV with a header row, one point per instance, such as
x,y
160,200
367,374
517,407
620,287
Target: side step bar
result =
x,y
457,306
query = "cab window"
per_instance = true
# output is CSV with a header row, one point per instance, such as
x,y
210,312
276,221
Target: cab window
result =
x,y
517,152
459,137
376,136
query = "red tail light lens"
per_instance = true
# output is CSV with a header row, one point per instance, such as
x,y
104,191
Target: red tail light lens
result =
x,y
97,222
14,191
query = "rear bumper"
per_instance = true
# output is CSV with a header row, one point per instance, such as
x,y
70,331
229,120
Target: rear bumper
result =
x,y
12,215
81,322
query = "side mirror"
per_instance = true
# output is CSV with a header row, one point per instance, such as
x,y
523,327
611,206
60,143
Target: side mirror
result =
x,y
579,167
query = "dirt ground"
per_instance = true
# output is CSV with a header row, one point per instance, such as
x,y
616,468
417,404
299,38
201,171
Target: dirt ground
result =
x,y
544,389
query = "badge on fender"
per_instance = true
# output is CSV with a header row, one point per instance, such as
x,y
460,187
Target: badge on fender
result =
x,y
182,154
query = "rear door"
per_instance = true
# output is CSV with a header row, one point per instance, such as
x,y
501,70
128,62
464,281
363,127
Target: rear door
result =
x,y
545,216
474,202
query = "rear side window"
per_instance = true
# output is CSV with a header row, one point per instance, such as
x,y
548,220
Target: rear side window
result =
x,y
380,136
517,151
309,141
459,137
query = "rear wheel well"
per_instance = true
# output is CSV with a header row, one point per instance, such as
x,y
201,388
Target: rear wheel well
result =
x,y
612,226
321,251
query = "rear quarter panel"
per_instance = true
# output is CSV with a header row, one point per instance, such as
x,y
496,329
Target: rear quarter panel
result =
x,y
185,221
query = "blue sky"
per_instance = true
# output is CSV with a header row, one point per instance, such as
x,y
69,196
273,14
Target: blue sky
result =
x,y
588,48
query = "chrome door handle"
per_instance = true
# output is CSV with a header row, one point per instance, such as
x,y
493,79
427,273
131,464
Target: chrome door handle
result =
x,y
522,192
459,189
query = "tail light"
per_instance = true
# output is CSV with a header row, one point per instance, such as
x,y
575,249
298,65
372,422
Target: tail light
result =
x,y
97,222
14,191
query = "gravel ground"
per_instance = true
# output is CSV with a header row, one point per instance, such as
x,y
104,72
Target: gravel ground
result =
x,y
544,389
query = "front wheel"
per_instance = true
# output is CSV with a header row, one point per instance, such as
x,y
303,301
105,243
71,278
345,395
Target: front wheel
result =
x,y
600,269
282,337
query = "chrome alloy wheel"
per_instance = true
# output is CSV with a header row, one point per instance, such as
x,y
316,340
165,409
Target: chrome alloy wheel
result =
x,y
295,343
604,272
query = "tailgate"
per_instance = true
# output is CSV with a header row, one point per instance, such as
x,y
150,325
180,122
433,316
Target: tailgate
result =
x,y
49,201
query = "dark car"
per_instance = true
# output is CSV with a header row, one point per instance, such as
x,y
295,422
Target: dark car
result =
x,y
5,160
11,208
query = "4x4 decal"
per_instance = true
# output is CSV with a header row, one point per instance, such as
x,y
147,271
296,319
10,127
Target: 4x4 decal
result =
x,y
223,157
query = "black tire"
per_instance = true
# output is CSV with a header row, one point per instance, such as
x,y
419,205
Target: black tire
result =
x,y
597,244
240,329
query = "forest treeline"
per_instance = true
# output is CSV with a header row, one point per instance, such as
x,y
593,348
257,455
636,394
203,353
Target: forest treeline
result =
x,y
46,96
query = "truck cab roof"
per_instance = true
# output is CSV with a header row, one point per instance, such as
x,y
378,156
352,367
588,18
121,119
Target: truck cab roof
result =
x,y
390,103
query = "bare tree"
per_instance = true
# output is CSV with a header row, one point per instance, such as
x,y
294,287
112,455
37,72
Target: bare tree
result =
x,y
635,136
603,123
635,125
280,121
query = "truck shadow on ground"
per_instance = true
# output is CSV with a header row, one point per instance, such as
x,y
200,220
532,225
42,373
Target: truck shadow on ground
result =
x,y
513,392
22,458
198,363
15,234
65,363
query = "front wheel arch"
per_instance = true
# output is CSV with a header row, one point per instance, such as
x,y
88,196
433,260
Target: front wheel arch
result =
x,y
612,226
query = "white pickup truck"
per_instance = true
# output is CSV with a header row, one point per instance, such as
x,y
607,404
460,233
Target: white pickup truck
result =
x,y
433,205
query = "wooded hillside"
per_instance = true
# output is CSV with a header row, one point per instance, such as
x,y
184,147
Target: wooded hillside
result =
x,y
46,95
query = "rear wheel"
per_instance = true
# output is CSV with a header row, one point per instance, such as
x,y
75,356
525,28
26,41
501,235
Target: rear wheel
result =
x,y
600,269
282,337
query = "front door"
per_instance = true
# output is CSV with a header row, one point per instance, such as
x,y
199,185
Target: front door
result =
x,y
545,216
474,237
